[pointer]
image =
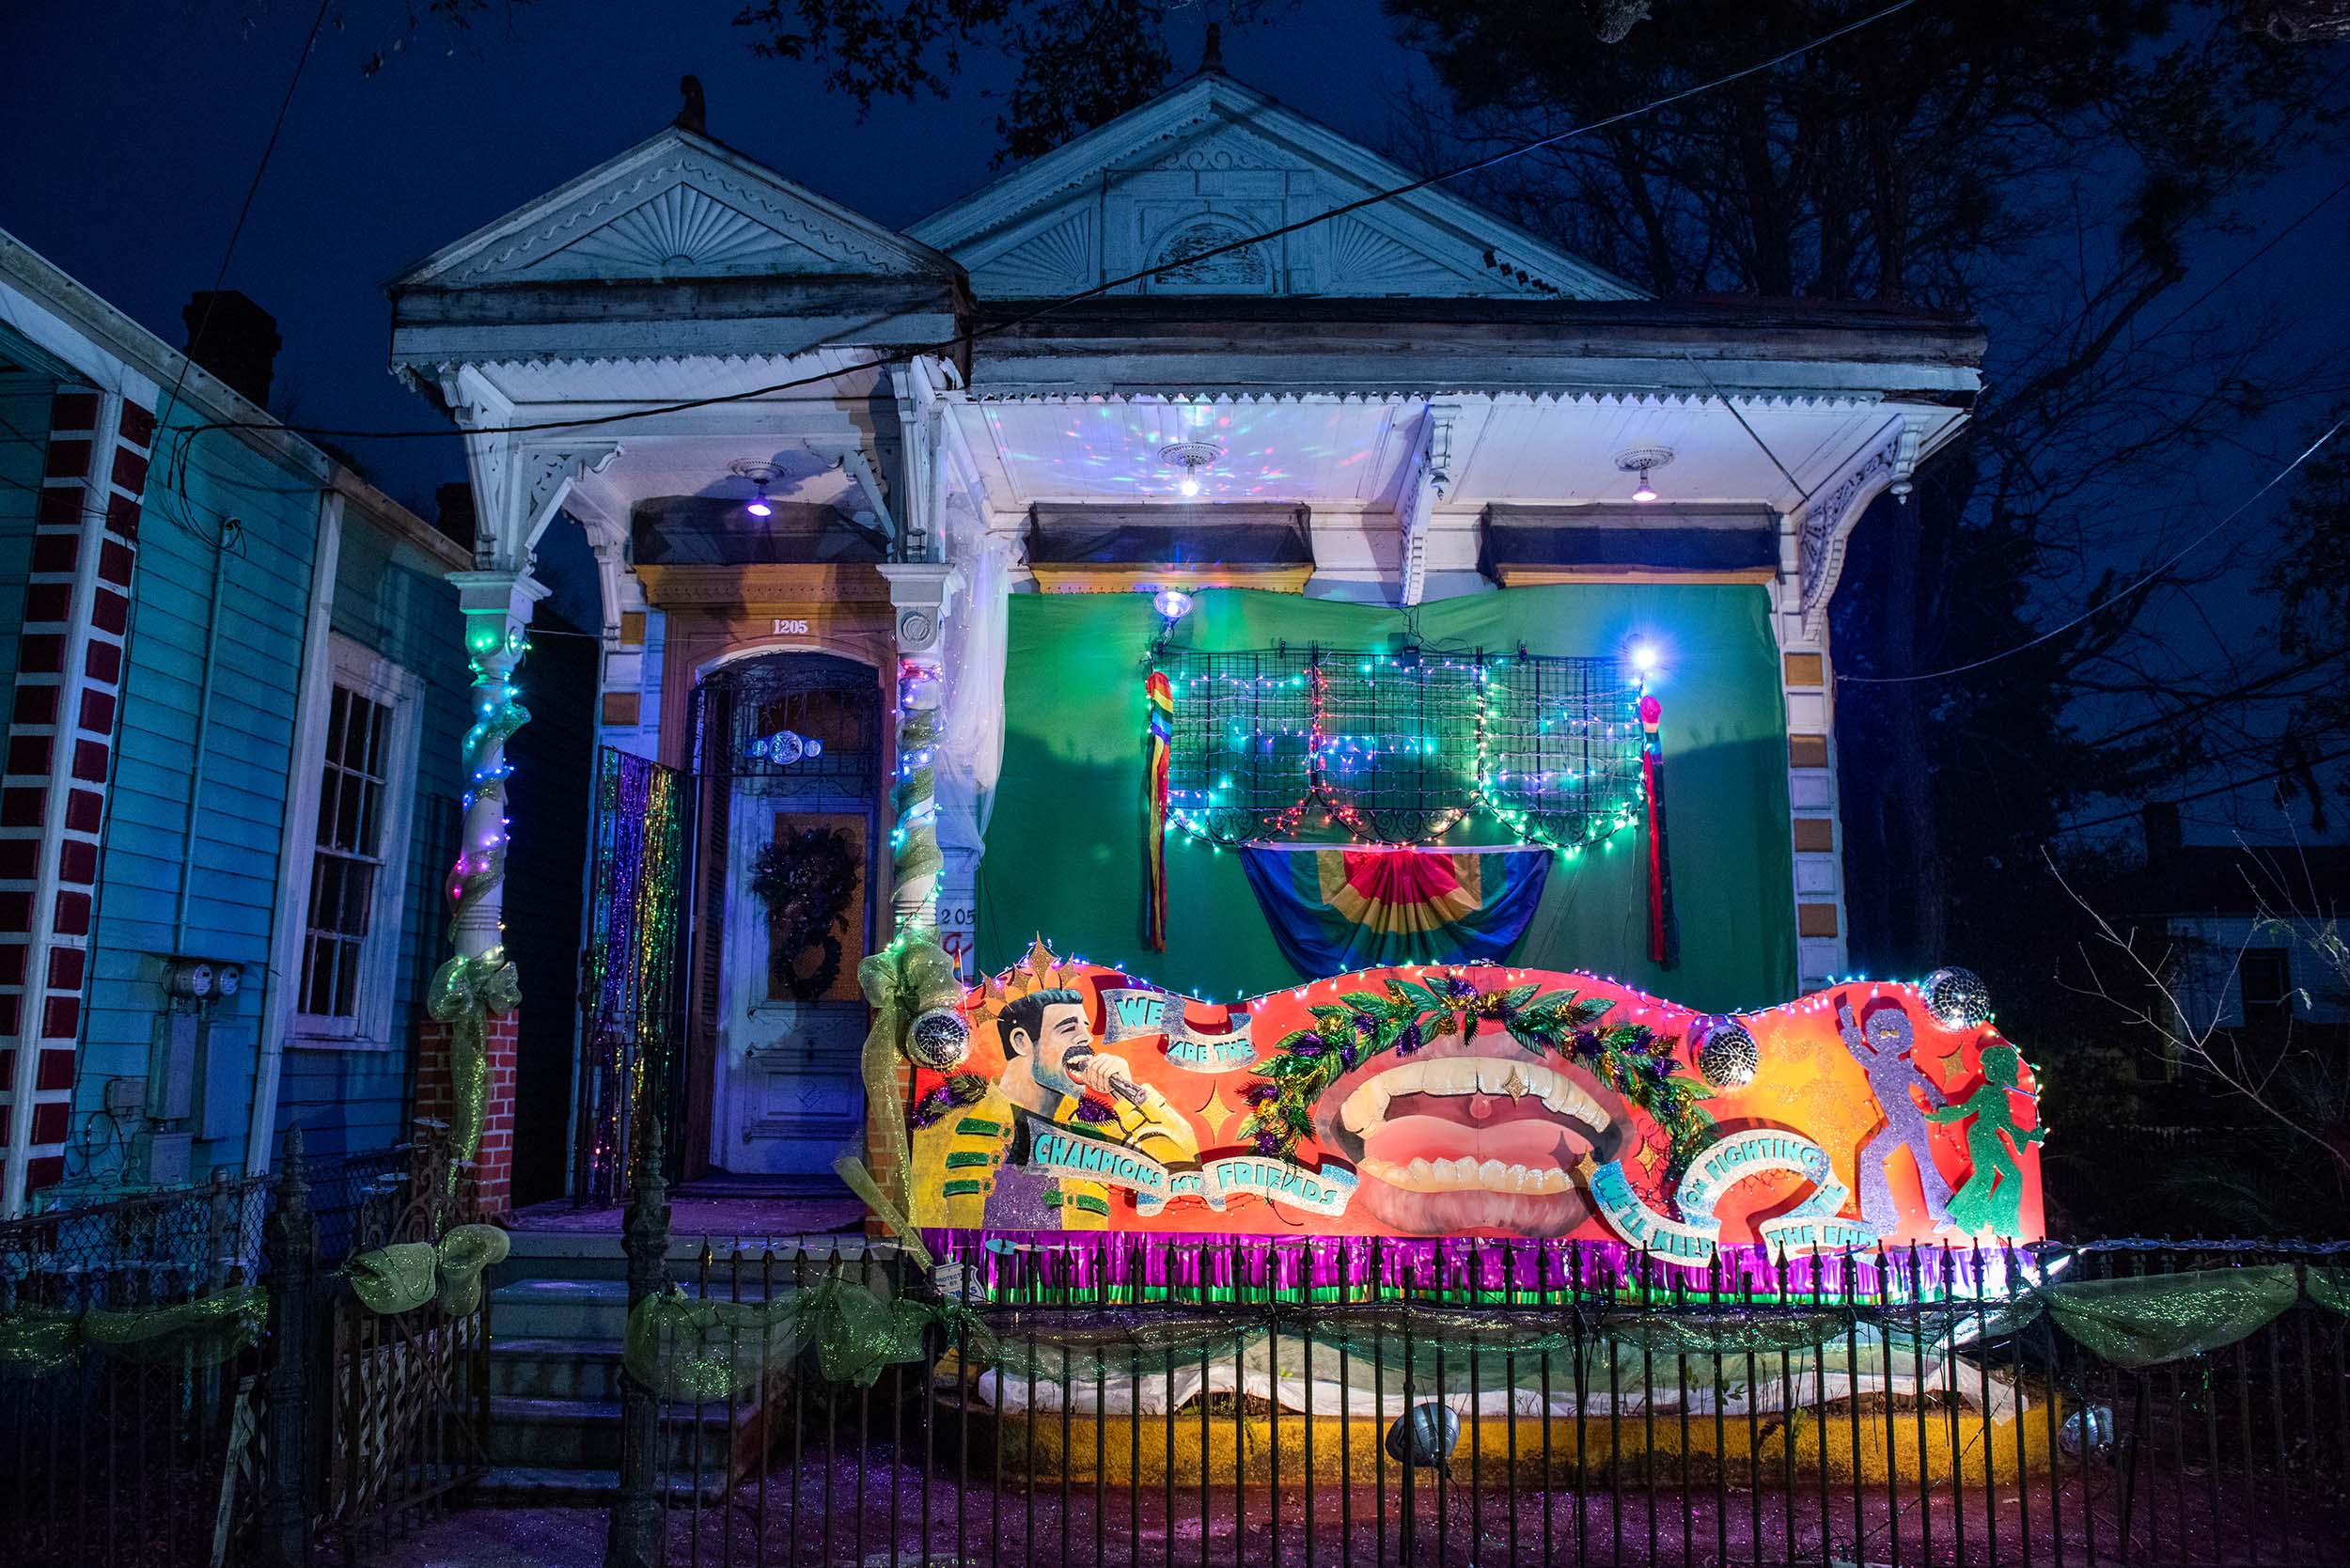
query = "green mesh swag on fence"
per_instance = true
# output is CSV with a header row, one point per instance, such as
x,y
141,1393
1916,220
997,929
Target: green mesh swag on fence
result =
x,y
204,1332
694,1349
2161,1317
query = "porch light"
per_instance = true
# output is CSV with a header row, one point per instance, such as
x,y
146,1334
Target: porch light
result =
x,y
1639,460
1172,603
761,475
1191,457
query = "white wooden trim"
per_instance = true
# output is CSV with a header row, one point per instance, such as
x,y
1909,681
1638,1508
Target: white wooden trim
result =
x,y
291,920
367,674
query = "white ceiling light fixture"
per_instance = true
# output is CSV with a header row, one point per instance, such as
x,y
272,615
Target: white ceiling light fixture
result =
x,y
1641,460
761,475
1192,458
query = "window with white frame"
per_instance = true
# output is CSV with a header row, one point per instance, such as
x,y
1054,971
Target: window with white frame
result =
x,y
363,772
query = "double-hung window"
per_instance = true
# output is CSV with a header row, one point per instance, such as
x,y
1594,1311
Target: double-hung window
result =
x,y
359,860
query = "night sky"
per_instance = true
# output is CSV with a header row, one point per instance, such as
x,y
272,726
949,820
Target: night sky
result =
x,y
135,125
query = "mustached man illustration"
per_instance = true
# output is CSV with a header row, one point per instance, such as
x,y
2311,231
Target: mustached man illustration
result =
x,y
1054,1076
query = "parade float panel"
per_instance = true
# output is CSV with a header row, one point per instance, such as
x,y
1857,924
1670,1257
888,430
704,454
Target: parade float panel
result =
x,y
1475,1100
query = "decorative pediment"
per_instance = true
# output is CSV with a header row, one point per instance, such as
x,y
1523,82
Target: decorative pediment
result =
x,y
1169,189
679,207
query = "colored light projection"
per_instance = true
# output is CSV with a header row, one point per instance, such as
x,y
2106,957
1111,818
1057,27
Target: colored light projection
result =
x,y
1479,1099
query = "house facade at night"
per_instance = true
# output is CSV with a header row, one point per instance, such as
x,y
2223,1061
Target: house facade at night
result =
x,y
838,485
232,762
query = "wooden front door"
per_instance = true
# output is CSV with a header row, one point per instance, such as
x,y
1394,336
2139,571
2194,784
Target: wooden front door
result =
x,y
792,743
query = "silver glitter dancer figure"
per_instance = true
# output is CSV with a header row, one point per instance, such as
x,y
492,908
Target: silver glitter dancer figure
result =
x,y
1881,1044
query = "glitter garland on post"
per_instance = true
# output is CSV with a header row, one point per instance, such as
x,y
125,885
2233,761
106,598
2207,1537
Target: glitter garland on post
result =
x,y
1161,695
469,986
915,860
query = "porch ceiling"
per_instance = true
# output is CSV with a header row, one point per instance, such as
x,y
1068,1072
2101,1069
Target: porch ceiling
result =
x,y
1339,453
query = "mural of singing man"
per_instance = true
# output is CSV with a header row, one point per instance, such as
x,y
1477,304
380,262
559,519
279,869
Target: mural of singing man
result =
x,y
1054,1073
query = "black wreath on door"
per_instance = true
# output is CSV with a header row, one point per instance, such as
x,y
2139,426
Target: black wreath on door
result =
x,y
808,880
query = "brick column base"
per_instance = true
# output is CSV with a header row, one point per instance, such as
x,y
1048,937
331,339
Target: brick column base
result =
x,y
493,1164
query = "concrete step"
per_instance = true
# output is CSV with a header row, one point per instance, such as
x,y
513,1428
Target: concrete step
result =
x,y
584,1435
540,1308
555,1368
565,1255
539,1486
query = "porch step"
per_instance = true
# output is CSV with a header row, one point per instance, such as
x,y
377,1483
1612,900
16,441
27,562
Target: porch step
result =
x,y
556,1369
584,1435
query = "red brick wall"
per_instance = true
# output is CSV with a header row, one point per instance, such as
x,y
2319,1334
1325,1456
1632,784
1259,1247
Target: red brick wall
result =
x,y
494,1165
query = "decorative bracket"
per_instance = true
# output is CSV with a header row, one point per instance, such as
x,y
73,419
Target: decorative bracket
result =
x,y
858,465
1430,479
1828,518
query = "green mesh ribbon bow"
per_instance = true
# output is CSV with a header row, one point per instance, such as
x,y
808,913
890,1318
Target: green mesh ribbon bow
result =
x,y
404,1275
910,976
465,990
691,1348
201,1333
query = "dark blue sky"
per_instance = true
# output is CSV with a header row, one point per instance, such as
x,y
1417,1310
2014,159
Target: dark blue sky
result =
x,y
134,126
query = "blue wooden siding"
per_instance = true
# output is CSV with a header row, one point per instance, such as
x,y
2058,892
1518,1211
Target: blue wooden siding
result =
x,y
390,598
224,868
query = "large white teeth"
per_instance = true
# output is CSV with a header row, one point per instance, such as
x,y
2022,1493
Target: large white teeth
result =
x,y
1365,1109
1466,1175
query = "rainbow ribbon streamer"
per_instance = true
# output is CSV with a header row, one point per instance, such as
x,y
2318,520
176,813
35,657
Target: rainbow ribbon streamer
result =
x,y
1161,694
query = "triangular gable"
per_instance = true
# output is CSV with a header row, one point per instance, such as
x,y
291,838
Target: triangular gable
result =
x,y
1213,161
681,207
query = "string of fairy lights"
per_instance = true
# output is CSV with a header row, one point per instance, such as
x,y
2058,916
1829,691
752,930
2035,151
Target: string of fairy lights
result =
x,y
1397,748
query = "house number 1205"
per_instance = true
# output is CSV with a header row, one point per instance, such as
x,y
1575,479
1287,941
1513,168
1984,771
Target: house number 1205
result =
x,y
790,628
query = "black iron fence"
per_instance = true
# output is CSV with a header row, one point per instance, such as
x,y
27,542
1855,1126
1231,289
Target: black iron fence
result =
x,y
1352,1400
186,1378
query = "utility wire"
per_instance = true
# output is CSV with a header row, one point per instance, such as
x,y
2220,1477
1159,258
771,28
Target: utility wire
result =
x,y
245,210
966,338
2101,607
2229,788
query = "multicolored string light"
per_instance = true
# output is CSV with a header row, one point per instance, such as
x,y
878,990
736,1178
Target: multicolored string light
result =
x,y
915,860
1342,770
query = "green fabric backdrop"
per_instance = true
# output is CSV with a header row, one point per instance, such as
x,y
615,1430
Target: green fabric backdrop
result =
x,y
1065,848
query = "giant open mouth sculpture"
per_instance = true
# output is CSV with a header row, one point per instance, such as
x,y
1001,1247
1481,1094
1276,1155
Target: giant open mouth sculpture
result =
x,y
1468,1136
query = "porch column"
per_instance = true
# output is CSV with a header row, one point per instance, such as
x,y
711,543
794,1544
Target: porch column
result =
x,y
496,606
917,594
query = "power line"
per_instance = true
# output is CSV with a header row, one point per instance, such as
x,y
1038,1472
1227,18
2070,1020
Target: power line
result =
x,y
2229,788
2107,603
966,338
2238,271
236,233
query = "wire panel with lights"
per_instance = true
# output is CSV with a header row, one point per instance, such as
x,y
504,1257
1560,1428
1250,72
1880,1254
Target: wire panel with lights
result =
x,y
1399,746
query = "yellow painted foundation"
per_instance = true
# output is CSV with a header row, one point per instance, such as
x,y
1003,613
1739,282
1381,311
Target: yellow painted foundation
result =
x,y
1600,1450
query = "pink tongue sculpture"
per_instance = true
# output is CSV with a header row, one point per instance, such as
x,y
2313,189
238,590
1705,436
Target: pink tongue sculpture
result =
x,y
1532,1142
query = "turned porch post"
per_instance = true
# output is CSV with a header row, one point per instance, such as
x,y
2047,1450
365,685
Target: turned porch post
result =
x,y
917,594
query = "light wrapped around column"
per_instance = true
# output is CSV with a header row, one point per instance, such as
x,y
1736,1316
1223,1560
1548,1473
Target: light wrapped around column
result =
x,y
915,860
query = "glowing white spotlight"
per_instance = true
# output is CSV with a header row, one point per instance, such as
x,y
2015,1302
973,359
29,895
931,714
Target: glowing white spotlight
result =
x,y
1643,655
1172,603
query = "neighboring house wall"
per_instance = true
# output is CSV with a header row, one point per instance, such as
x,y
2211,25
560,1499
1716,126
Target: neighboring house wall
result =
x,y
350,1088
178,815
2212,953
190,865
